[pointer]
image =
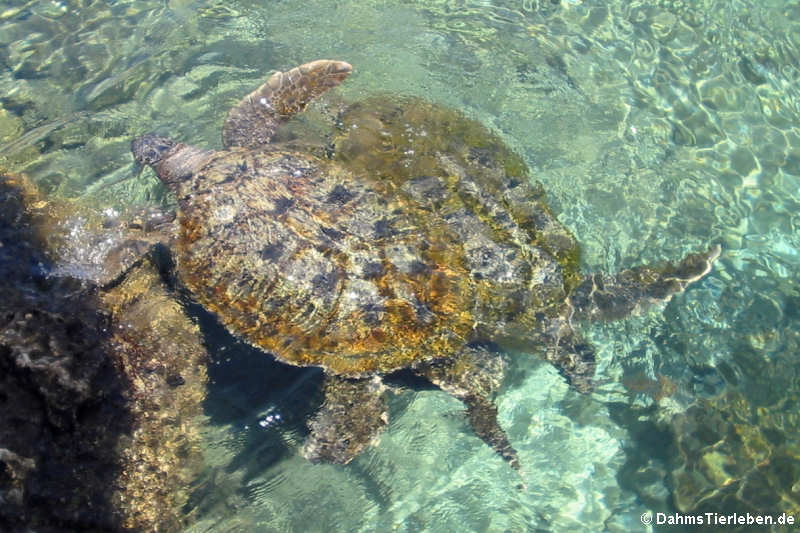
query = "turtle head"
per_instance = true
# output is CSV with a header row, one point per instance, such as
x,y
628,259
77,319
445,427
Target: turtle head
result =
x,y
151,148
174,163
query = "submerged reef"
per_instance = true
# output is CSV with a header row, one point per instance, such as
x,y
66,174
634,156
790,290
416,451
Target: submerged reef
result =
x,y
734,456
729,453
101,390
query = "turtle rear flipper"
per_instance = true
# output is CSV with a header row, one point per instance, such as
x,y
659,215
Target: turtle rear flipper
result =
x,y
473,377
574,359
351,418
611,297
252,123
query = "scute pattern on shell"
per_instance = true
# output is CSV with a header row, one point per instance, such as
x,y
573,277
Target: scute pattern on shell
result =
x,y
447,161
422,233
321,267
522,261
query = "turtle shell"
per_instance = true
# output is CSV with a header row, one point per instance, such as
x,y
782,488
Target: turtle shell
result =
x,y
422,234
458,169
413,143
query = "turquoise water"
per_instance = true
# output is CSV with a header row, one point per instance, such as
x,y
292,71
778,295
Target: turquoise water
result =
x,y
655,127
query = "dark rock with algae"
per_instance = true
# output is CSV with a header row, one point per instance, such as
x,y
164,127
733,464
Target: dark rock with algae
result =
x,y
100,390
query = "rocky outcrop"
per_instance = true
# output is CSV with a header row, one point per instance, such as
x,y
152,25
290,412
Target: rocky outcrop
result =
x,y
100,389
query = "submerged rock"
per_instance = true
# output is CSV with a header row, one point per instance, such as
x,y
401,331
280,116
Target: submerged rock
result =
x,y
56,382
733,456
729,453
100,390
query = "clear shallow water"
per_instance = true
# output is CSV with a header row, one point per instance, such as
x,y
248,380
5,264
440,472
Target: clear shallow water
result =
x,y
656,128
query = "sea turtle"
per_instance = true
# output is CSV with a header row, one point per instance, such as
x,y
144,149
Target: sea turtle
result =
x,y
429,250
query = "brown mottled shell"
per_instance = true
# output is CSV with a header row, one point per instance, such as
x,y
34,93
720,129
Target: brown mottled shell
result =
x,y
405,140
319,267
521,259
422,234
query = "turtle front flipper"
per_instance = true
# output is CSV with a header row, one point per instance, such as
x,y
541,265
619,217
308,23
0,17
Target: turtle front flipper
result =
x,y
473,377
351,418
253,122
99,246
133,236
610,297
